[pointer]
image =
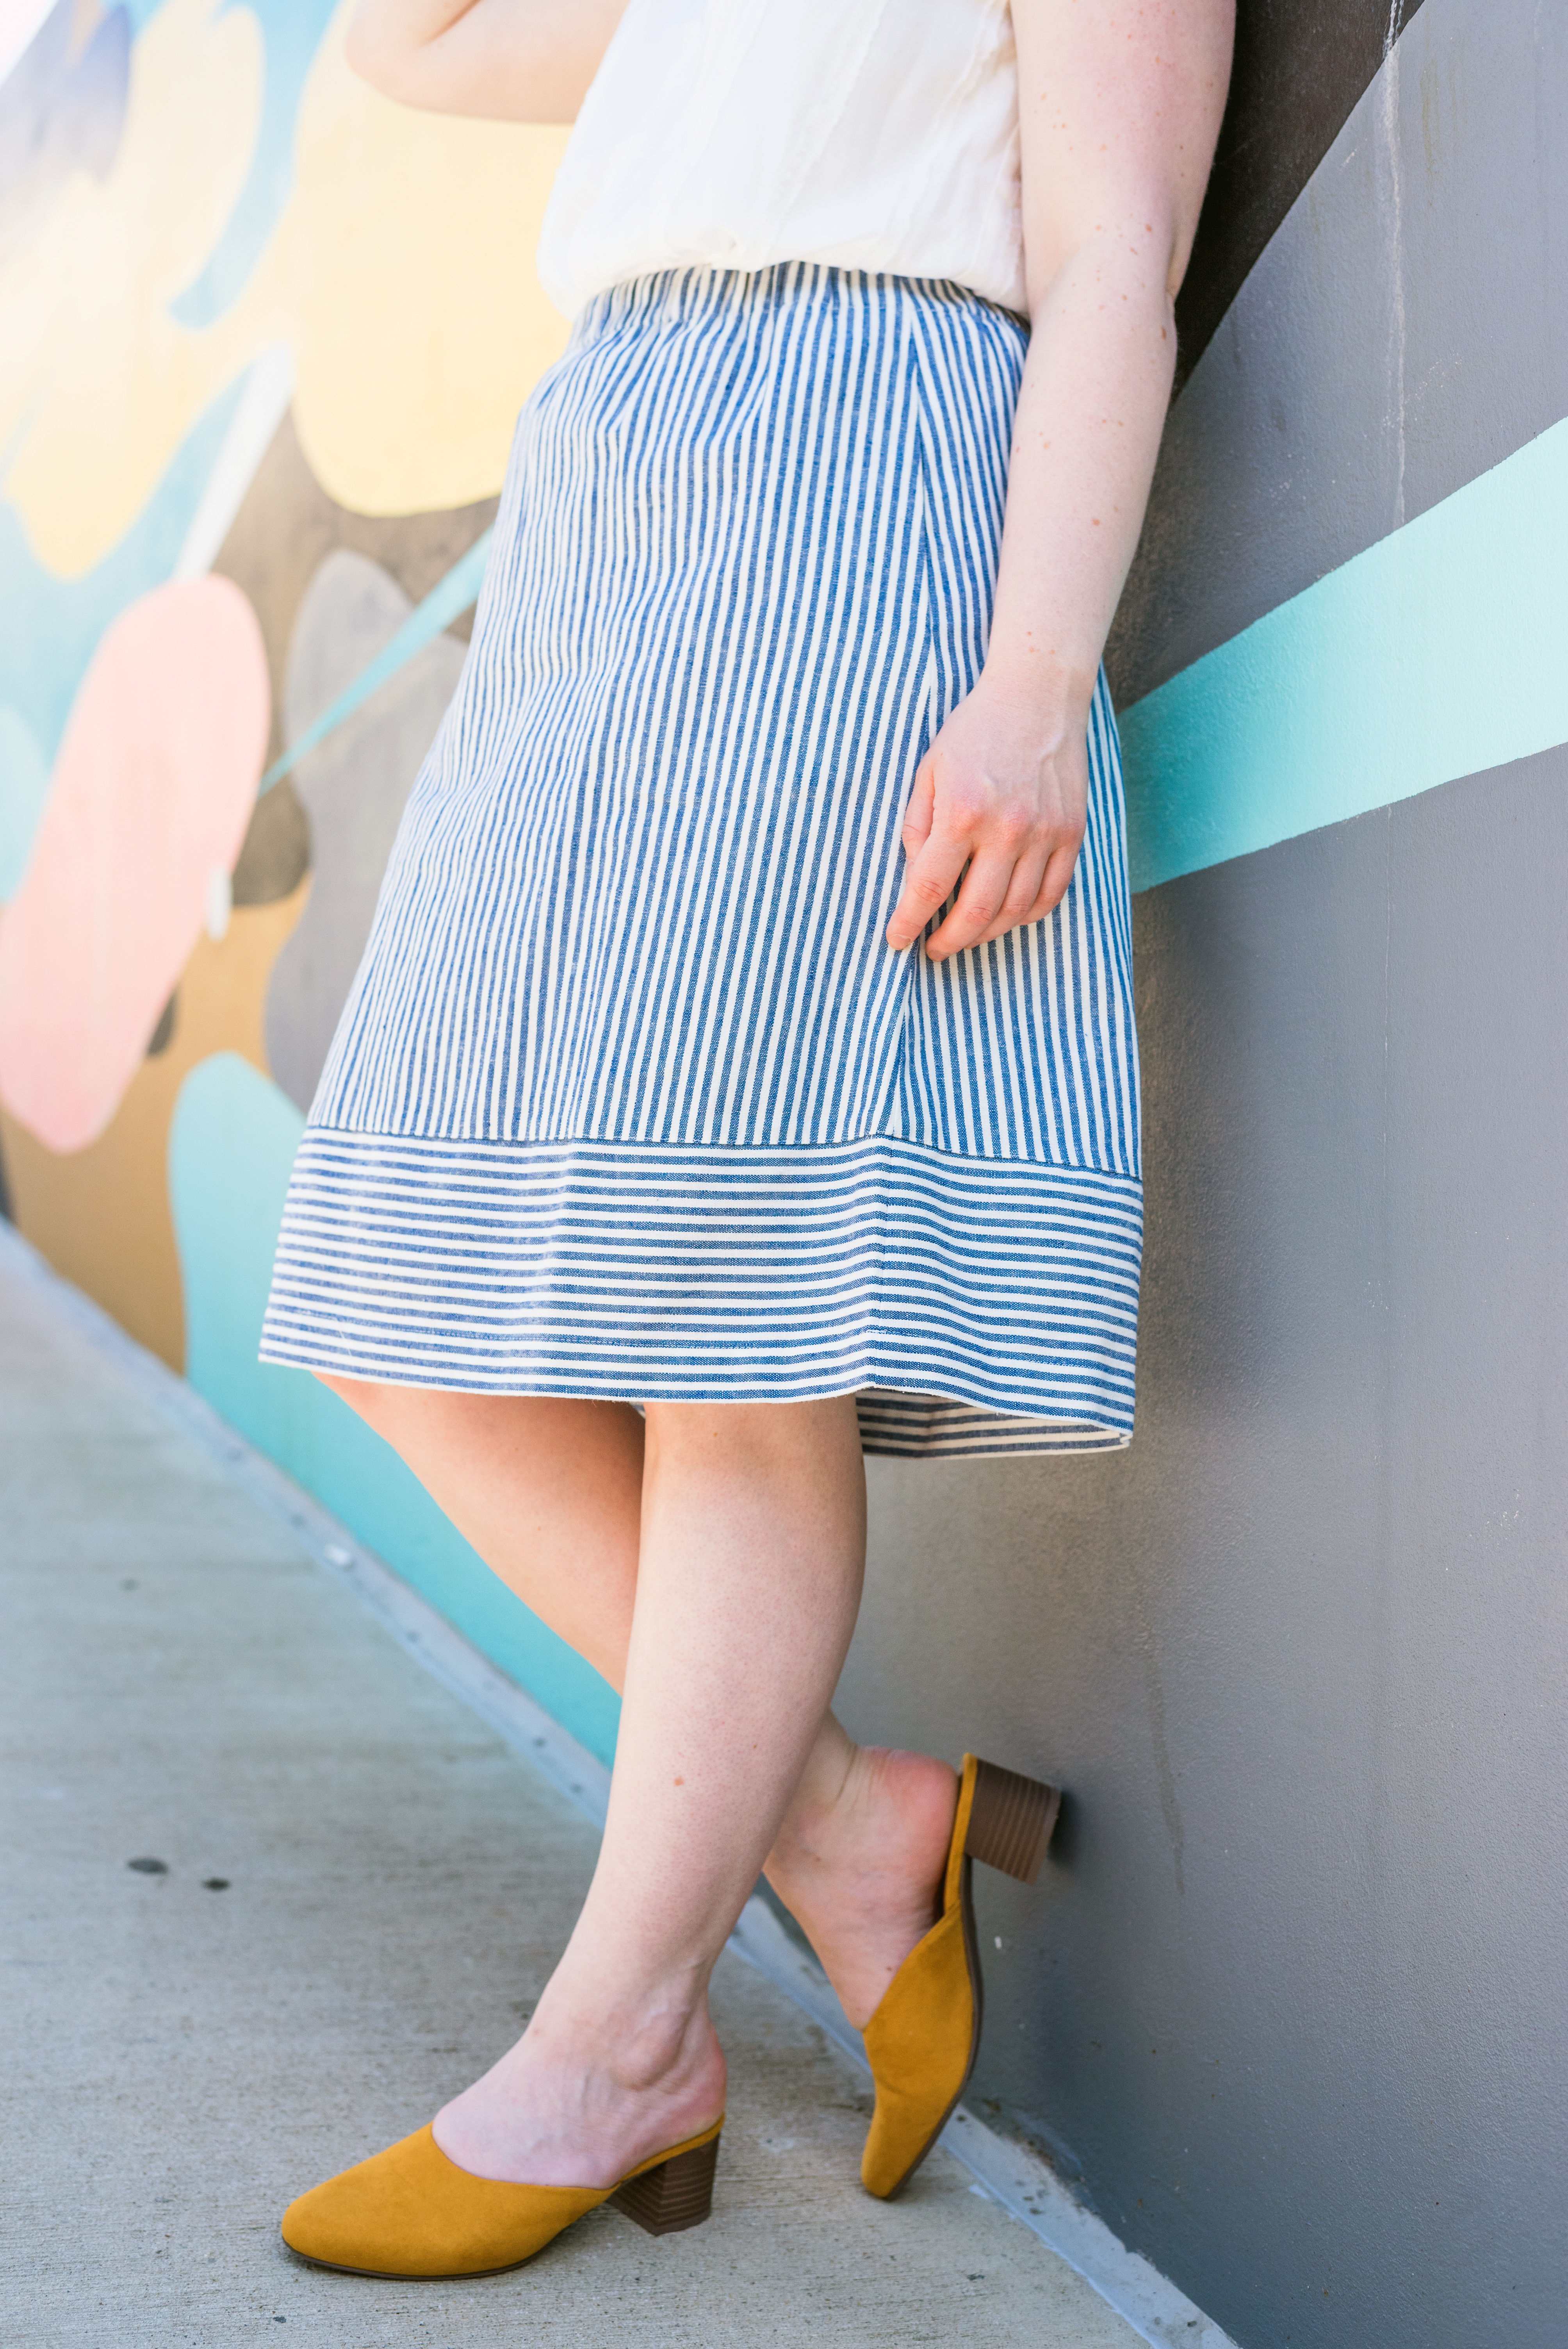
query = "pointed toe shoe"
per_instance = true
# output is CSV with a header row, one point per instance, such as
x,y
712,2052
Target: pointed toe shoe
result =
x,y
410,2212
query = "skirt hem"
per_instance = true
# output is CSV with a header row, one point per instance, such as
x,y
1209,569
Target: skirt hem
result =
x,y
972,1306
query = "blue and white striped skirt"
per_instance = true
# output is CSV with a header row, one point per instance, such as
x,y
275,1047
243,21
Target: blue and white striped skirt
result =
x,y
630,1098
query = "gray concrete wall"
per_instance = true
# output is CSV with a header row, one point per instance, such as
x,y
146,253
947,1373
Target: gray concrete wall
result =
x,y
1289,2003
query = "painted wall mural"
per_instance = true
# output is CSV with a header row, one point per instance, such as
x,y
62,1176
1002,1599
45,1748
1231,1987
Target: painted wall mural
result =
x,y
262,340
256,395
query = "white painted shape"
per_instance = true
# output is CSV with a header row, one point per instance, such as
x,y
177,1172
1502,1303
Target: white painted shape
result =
x,y
218,903
1008,2173
19,23
269,388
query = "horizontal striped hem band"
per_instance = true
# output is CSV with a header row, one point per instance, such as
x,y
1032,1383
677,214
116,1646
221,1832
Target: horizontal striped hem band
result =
x,y
973,1306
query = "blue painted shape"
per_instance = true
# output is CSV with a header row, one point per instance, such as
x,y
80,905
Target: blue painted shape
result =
x,y
52,625
24,787
231,1148
291,30
1438,653
449,595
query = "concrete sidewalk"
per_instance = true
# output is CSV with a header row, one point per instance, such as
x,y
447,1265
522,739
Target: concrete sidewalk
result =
x,y
361,1891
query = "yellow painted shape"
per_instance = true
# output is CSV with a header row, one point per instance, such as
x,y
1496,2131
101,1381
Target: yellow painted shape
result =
x,y
419,326
401,274
101,1214
99,386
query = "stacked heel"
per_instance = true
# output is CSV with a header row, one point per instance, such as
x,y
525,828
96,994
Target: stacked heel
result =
x,y
1011,1821
678,2193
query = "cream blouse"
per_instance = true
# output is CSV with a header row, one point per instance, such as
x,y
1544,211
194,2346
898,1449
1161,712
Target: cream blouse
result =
x,y
879,135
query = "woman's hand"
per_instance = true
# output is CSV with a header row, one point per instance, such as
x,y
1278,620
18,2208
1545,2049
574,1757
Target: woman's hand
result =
x,y
1005,795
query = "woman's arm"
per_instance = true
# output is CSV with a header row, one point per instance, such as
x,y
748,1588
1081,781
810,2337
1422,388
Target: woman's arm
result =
x,y
510,60
1120,107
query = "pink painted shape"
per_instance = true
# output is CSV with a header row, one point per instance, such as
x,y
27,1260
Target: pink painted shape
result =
x,y
153,788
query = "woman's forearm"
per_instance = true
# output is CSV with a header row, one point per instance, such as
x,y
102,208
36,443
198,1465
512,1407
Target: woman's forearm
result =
x,y
1119,107
1097,383
508,60
1000,802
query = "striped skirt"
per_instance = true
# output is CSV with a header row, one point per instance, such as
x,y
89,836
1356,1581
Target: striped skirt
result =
x,y
630,1098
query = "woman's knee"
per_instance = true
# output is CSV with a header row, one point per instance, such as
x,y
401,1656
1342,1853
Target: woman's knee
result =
x,y
752,1432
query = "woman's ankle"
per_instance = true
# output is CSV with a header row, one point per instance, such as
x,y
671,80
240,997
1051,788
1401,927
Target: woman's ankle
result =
x,y
862,1812
567,2108
824,1795
643,2040
862,1873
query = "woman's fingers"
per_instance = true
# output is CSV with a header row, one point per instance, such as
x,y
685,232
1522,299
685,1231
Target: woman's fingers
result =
x,y
1039,883
930,867
928,883
980,908
1023,889
1061,868
1000,890
922,806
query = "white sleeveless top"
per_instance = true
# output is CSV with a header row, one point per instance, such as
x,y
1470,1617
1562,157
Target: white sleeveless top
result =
x,y
730,134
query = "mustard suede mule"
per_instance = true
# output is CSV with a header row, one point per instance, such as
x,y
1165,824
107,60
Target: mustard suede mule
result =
x,y
922,2040
410,2211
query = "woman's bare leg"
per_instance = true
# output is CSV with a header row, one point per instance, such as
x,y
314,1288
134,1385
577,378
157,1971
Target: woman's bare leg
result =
x,y
548,1490
550,1493
753,1534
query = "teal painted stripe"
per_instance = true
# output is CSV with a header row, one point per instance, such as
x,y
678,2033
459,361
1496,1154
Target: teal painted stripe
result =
x,y
1439,652
231,1147
440,607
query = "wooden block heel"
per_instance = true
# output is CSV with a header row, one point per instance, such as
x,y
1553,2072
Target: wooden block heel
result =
x,y
678,2193
1011,1821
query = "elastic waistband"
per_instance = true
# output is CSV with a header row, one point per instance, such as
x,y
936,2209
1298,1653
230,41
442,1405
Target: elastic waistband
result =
x,y
686,297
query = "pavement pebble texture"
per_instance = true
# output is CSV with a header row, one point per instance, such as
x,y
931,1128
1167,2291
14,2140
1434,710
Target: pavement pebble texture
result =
x,y
358,1892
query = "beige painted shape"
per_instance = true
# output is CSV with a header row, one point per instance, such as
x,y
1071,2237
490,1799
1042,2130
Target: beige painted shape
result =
x,y
101,1214
428,326
99,384
401,274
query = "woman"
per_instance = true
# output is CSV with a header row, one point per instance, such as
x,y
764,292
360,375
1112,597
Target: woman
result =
x,y
741,1073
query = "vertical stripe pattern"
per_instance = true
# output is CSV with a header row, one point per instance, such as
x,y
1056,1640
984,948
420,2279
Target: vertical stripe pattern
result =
x,y
630,1097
